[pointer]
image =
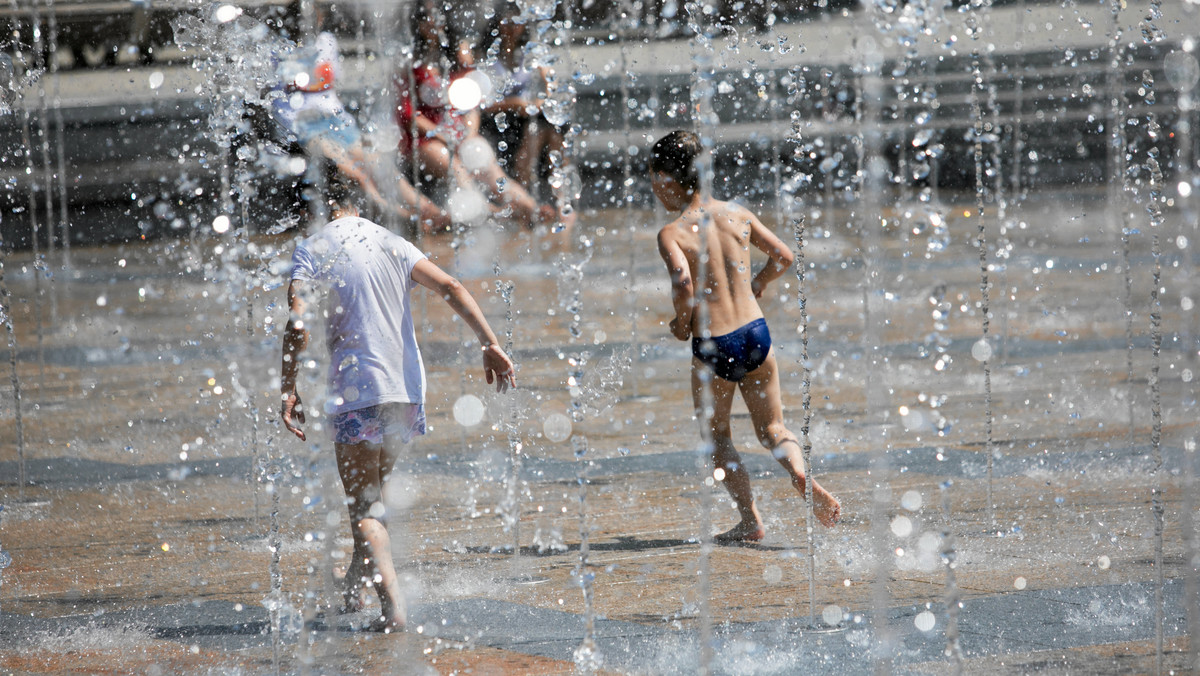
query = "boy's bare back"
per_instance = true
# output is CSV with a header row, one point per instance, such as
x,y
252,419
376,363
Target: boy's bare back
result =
x,y
731,288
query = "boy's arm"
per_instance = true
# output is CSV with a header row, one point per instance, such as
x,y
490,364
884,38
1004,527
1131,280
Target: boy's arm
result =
x,y
781,257
682,292
295,339
497,366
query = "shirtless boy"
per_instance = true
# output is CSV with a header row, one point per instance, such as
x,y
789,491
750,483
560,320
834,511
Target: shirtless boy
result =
x,y
739,351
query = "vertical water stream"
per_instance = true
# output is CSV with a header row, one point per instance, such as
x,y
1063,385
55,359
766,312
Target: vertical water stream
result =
x,y
14,378
705,120
1183,72
982,349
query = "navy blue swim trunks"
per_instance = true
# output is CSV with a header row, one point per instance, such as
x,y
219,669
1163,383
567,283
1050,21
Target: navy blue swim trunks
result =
x,y
735,354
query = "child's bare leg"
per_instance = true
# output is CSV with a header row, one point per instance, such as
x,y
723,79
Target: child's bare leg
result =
x,y
510,191
760,390
826,508
433,218
392,613
527,154
725,456
737,482
362,474
353,585
433,159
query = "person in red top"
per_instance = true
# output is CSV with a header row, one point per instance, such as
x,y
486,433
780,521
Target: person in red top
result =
x,y
444,141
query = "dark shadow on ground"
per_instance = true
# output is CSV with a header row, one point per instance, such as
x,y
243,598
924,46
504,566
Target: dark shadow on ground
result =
x,y
620,543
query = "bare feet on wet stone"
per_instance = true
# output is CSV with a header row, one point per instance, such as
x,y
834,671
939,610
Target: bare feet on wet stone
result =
x,y
385,625
826,508
743,532
354,599
354,592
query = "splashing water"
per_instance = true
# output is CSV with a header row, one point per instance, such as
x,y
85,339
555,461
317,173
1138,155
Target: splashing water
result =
x,y
949,556
14,378
806,406
1154,200
983,132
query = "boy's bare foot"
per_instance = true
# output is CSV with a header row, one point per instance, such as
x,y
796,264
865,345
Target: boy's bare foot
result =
x,y
385,625
743,532
826,508
354,599
354,593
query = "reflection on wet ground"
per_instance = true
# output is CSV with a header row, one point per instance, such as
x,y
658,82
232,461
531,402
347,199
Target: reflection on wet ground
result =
x,y
142,542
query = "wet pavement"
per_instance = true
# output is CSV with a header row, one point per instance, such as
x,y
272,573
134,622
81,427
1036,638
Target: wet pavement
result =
x,y
143,540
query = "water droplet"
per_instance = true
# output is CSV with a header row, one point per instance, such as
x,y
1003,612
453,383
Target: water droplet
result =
x,y
556,112
476,154
468,410
467,205
227,13
557,427
925,621
465,93
832,615
981,350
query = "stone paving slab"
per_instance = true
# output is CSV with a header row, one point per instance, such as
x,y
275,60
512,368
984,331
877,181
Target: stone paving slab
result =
x,y
944,462
135,558
1011,623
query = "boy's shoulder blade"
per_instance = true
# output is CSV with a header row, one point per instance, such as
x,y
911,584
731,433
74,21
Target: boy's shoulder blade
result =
x,y
671,230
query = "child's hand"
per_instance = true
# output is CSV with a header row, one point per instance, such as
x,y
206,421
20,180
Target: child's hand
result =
x,y
757,287
498,368
292,413
680,330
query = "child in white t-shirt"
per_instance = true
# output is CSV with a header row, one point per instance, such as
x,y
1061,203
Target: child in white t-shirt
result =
x,y
376,390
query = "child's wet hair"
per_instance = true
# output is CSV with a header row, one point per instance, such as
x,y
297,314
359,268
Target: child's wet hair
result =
x,y
340,190
675,155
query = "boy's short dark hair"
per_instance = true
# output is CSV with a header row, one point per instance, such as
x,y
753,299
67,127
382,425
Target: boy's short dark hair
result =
x,y
675,155
340,190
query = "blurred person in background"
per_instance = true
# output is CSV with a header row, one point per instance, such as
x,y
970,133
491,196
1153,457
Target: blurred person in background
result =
x,y
440,130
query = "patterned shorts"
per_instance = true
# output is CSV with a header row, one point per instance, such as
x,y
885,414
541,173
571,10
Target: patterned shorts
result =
x,y
373,423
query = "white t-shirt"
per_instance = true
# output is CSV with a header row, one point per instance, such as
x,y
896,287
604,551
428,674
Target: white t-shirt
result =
x,y
365,273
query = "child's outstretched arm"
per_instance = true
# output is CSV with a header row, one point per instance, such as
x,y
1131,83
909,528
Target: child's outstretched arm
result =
x,y
497,366
683,292
295,339
781,257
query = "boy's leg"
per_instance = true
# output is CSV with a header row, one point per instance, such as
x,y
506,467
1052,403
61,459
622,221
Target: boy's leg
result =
x,y
361,467
433,218
525,162
433,158
511,192
725,455
358,575
760,390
